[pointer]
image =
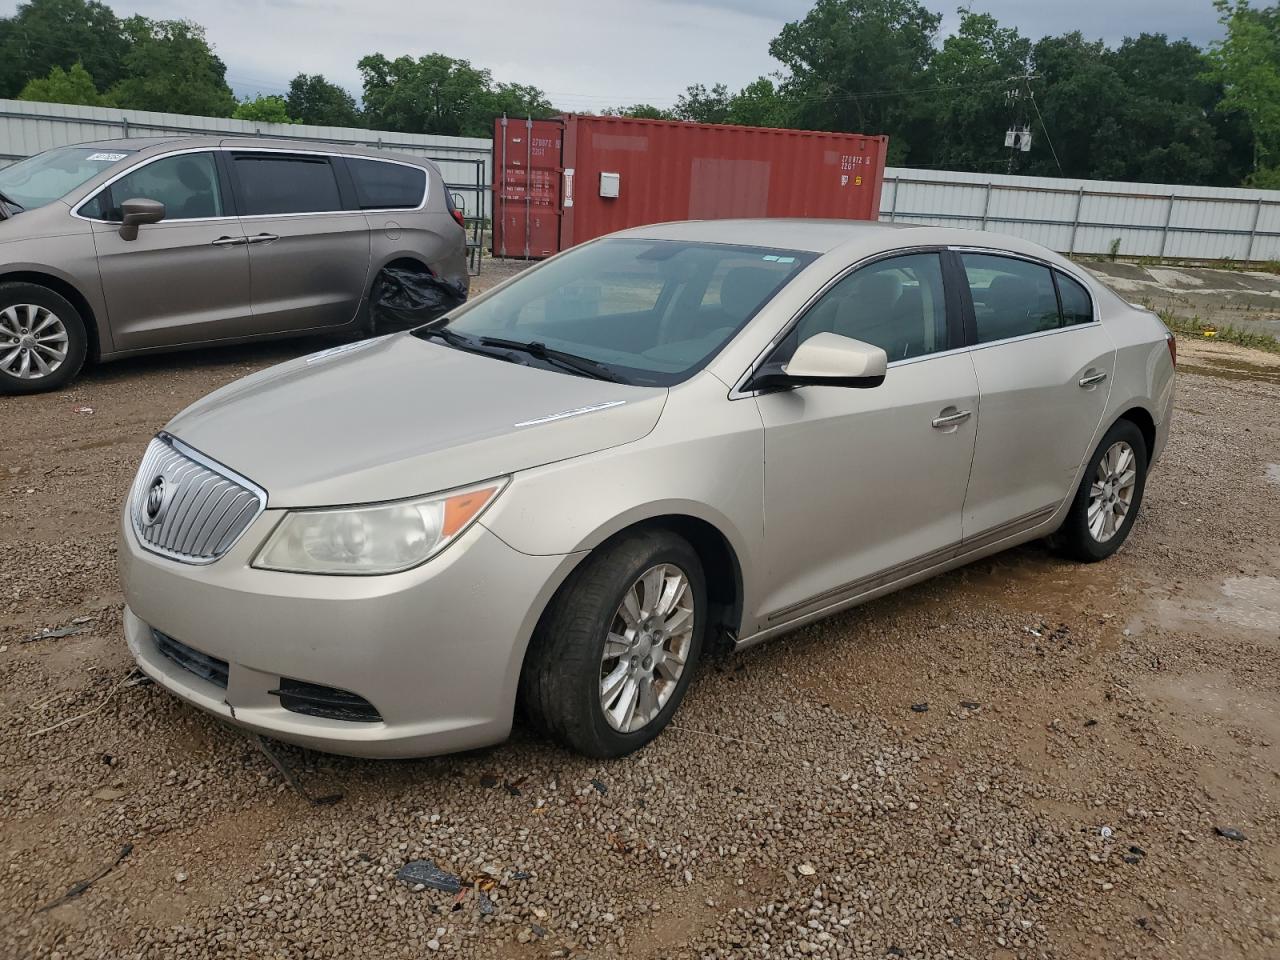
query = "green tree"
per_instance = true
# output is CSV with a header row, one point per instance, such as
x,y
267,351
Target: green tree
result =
x,y
760,104
857,65
171,67
1247,64
641,111
313,99
699,105
264,108
438,94
43,34
65,86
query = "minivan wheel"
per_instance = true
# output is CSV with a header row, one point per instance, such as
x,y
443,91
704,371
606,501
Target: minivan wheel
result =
x,y
42,339
1109,497
614,653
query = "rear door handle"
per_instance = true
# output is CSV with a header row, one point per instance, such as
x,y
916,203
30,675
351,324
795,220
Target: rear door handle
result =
x,y
1089,379
944,420
230,241
261,238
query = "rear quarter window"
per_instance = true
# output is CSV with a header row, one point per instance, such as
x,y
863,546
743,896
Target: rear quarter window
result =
x,y
382,185
1077,307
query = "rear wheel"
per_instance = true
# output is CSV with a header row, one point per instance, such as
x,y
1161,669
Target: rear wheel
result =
x,y
1109,497
614,654
42,339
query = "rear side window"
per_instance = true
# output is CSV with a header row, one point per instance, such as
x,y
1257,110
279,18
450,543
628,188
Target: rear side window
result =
x,y
381,185
271,184
1011,298
187,185
1076,305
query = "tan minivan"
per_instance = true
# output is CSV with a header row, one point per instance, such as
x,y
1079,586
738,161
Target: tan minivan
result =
x,y
124,247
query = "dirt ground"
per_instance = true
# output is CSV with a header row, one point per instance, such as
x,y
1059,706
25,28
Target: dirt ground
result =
x,y
1087,732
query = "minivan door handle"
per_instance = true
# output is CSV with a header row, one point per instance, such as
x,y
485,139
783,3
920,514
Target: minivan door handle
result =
x,y
1092,378
946,420
261,238
230,241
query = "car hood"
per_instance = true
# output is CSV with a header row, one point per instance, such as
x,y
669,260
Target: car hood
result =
x,y
398,417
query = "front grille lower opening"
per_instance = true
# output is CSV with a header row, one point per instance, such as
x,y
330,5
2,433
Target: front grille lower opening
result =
x,y
201,664
328,703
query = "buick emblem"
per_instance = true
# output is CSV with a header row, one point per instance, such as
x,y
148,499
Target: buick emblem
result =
x,y
156,500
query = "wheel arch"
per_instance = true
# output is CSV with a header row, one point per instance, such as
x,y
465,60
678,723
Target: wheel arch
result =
x,y
68,290
1141,418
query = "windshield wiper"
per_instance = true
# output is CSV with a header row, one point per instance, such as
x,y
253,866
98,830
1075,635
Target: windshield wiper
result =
x,y
10,202
449,337
567,361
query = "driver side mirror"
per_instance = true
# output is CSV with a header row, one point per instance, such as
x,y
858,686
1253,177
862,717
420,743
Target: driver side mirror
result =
x,y
826,359
136,212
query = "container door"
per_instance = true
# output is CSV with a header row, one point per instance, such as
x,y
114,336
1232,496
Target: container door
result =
x,y
527,177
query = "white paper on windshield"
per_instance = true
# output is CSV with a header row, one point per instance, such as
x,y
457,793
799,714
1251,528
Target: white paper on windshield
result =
x,y
108,157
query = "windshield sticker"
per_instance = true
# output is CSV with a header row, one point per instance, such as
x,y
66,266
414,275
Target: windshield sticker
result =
x,y
785,259
575,412
107,157
772,256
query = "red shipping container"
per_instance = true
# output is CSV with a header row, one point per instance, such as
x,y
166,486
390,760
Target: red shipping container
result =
x,y
560,182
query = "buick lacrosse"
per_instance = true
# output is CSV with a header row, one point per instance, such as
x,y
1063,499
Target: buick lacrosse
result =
x,y
557,497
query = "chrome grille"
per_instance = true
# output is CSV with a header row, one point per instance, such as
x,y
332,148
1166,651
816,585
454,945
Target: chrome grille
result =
x,y
187,507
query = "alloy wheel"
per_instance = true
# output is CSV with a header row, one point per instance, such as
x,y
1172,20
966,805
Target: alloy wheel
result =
x,y
648,644
1111,493
33,341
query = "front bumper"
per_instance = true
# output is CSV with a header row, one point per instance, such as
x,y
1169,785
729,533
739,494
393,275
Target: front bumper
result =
x,y
436,650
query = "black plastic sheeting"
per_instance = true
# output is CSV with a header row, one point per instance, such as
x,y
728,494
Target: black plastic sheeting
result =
x,y
404,297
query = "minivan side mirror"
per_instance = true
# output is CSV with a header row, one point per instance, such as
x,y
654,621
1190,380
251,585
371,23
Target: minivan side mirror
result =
x,y
826,359
136,212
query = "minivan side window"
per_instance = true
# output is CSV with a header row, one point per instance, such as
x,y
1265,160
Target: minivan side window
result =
x,y
275,184
387,186
1011,298
898,304
186,183
1077,307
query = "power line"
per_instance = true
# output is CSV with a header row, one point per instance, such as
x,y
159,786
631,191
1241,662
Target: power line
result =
x,y
1047,138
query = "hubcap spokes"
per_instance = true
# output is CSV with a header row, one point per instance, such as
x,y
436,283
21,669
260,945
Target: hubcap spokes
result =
x,y
647,647
33,341
1111,493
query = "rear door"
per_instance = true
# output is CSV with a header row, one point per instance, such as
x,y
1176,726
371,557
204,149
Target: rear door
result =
x,y
308,243
1044,365
184,279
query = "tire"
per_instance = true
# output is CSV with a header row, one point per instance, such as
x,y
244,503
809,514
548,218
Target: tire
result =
x,y
28,307
1077,539
565,670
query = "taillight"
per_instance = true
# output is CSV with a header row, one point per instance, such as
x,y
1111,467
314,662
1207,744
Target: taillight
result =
x,y
1173,347
457,215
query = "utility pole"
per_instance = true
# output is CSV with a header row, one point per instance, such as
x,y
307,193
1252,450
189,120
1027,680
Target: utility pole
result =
x,y
1018,137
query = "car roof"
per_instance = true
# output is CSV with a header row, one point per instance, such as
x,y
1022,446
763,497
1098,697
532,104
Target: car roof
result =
x,y
155,145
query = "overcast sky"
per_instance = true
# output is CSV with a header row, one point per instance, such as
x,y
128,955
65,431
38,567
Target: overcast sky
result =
x,y
585,53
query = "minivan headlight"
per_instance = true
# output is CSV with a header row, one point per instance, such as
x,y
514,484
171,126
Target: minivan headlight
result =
x,y
383,538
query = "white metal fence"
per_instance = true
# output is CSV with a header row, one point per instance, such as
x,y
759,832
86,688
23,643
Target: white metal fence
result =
x,y
1087,216
27,128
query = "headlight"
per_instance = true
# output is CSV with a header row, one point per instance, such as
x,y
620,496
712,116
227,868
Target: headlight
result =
x,y
385,538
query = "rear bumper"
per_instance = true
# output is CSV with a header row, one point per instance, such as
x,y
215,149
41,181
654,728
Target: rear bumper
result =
x,y
436,650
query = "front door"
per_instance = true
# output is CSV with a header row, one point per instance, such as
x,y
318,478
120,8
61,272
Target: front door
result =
x,y
1044,365
309,257
184,279
863,487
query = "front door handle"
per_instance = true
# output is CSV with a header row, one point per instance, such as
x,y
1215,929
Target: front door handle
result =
x,y
1091,379
261,238
956,417
230,241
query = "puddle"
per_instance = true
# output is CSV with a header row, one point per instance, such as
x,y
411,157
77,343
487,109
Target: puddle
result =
x,y
1273,473
1232,370
1242,603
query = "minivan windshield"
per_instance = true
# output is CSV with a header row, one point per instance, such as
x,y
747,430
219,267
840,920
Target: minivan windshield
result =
x,y
639,311
41,179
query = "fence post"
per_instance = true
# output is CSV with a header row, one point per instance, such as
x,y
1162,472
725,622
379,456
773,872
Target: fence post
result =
x,y
1253,231
893,207
124,125
1168,219
1075,221
986,205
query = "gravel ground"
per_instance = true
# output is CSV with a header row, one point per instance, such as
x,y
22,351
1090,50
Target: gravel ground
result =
x,y
800,806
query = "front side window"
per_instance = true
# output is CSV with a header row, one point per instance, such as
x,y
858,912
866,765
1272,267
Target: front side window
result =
x,y
187,185
652,311
898,304
1077,307
275,184
1011,298
387,186
47,176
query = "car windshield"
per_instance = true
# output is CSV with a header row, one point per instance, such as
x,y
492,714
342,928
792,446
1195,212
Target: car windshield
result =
x,y
55,173
646,311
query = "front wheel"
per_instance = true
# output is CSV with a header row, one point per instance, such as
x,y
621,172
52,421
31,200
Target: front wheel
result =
x,y
1109,497
42,339
614,653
